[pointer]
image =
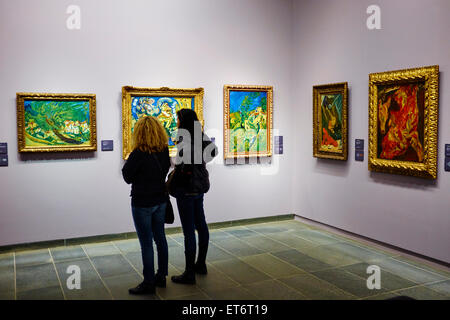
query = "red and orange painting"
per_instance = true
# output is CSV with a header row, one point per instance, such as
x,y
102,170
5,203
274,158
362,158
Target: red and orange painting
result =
x,y
401,122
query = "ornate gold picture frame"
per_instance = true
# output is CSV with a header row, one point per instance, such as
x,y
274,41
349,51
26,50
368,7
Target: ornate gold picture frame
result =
x,y
247,122
56,122
162,103
330,121
403,121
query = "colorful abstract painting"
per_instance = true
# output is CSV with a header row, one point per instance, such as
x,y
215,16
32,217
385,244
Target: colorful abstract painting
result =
x,y
49,123
401,125
162,103
403,121
331,116
163,108
248,113
330,121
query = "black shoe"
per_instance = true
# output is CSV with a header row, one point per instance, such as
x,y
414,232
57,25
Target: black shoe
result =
x,y
200,268
185,278
143,288
160,281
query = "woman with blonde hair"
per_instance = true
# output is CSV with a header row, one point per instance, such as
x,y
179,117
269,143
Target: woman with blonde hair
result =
x,y
146,170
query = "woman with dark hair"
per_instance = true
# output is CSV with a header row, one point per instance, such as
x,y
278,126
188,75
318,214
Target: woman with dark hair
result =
x,y
146,170
189,184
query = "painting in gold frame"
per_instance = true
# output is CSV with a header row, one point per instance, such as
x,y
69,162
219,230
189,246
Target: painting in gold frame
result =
x,y
247,126
330,119
56,122
162,103
403,121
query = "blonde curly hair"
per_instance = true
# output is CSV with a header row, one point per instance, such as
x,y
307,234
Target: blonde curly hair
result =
x,y
149,135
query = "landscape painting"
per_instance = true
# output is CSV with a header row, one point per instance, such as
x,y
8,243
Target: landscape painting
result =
x,y
403,121
248,113
56,122
330,121
161,103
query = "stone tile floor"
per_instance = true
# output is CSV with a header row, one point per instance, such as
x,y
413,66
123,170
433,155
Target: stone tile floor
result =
x,y
276,260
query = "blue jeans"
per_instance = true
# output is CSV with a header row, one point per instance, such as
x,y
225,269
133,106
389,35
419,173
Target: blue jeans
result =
x,y
149,223
192,218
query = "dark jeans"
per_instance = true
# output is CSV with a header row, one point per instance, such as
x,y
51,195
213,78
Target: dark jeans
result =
x,y
192,218
149,223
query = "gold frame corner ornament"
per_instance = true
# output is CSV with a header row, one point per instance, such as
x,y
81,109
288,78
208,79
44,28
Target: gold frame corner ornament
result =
x,y
20,107
226,119
129,91
332,88
430,76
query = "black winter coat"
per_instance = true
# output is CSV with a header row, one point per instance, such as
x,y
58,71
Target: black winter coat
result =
x,y
193,178
147,178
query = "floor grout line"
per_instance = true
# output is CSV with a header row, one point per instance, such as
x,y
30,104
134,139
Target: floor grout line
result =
x,y
93,266
57,275
15,277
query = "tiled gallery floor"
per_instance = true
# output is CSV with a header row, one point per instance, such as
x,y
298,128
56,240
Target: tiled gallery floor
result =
x,y
277,260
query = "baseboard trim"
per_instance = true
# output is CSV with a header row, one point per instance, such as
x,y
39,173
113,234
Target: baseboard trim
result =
x,y
373,242
132,235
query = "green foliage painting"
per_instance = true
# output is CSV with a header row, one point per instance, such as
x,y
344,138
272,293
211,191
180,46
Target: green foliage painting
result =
x,y
56,123
247,121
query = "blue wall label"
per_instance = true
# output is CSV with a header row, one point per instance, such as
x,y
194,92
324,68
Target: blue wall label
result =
x,y
447,150
107,145
359,144
278,144
447,163
213,139
3,160
3,148
359,155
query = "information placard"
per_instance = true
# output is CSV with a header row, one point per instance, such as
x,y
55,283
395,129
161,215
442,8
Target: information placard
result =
x,y
3,160
278,144
3,148
359,144
447,163
359,155
107,145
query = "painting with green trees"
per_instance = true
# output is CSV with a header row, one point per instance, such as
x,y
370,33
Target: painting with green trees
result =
x,y
247,121
57,123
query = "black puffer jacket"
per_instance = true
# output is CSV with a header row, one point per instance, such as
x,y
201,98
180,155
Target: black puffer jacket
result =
x,y
193,178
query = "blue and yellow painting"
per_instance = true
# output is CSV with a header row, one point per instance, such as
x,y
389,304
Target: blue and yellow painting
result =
x,y
57,123
331,115
248,121
163,108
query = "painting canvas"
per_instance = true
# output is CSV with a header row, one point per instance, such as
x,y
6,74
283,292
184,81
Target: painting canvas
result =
x,y
330,121
163,108
56,122
403,121
161,103
248,121
400,122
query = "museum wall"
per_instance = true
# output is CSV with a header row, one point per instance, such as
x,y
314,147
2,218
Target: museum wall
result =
x,y
178,44
332,44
